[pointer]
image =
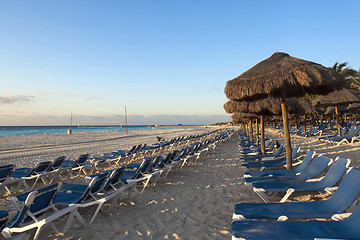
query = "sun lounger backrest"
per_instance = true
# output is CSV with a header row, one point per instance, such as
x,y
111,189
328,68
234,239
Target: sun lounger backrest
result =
x,y
42,167
57,162
4,217
307,159
82,159
348,187
317,165
5,171
116,175
146,165
278,151
35,202
100,180
336,171
295,151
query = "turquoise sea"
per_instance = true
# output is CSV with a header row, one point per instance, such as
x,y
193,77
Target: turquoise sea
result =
x,y
28,130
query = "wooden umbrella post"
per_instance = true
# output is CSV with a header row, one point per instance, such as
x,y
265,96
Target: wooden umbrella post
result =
x,y
251,130
286,131
257,130
337,120
70,131
126,121
262,134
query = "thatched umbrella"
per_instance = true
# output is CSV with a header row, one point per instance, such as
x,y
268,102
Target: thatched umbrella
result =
x,y
336,99
283,77
240,117
245,120
331,110
353,108
262,107
309,109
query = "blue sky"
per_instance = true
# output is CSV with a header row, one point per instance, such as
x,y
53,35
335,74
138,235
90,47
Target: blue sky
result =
x,y
168,61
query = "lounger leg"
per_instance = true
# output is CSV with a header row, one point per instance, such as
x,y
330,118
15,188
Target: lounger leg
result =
x,y
287,195
79,218
37,233
261,194
69,221
146,183
7,189
96,211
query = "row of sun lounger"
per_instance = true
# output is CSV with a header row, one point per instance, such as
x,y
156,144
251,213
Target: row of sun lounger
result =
x,y
248,218
37,208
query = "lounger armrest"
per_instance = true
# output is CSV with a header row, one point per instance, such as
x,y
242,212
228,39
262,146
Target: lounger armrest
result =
x,y
297,163
331,190
268,158
314,179
341,216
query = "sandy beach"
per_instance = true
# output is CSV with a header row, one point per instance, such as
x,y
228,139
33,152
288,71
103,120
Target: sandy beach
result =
x,y
195,202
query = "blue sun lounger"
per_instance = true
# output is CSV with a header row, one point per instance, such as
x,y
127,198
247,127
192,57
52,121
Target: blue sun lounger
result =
x,y
5,178
78,195
304,230
78,165
318,165
37,211
344,197
139,174
271,162
335,173
21,175
255,157
305,162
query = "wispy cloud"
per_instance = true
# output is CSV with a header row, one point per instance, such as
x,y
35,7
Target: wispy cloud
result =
x,y
93,98
42,93
69,94
15,98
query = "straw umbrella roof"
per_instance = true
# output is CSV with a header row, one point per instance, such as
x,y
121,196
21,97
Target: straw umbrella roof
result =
x,y
308,107
354,108
281,71
331,109
238,117
341,97
265,106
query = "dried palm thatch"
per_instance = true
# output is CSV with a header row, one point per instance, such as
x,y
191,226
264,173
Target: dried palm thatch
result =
x,y
308,107
281,71
331,110
341,97
239,117
353,108
265,106
336,99
283,77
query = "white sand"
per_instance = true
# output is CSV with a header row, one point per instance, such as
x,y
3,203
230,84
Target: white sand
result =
x,y
26,150
194,203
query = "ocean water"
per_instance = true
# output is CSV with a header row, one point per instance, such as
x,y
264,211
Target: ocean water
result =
x,y
28,130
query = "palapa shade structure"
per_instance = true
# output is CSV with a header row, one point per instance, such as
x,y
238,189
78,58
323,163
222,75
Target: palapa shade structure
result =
x,y
262,107
283,76
331,110
309,109
336,99
240,117
354,108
